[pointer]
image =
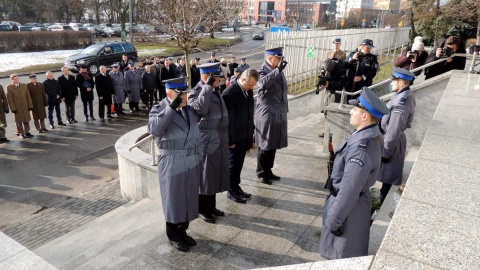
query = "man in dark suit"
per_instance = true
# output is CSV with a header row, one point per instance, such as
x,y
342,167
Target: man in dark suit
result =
x,y
69,94
84,81
104,84
232,66
238,99
124,63
194,71
167,72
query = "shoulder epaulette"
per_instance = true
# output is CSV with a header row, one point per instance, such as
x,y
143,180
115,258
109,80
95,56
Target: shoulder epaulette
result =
x,y
363,144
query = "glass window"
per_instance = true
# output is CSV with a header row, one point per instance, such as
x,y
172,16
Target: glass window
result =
x,y
128,47
117,48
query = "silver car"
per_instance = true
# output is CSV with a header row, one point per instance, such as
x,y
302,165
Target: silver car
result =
x,y
258,35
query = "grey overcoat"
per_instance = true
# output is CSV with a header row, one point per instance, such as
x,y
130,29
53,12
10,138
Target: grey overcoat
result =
x,y
402,110
354,171
179,163
212,118
271,109
119,88
133,82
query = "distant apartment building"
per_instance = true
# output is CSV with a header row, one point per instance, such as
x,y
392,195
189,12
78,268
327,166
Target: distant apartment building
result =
x,y
344,7
285,11
387,4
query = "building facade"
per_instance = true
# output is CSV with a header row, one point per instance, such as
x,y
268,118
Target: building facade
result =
x,y
285,11
344,7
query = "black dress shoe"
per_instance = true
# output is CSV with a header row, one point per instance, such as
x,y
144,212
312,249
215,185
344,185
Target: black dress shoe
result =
x,y
4,140
244,194
109,116
274,177
236,197
45,130
28,134
23,136
190,241
86,118
182,246
52,127
61,124
102,120
74,121
41,131
265,180
92,118
218,213
208,218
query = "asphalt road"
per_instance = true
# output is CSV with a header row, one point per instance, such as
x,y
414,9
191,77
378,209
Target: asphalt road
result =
x,y
71,161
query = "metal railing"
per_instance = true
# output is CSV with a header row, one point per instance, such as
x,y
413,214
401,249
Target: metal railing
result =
x,y
152,147
471,69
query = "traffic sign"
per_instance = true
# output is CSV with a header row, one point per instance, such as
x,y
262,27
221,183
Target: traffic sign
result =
x,y
363,24
400,24
342,23
310,51
363,20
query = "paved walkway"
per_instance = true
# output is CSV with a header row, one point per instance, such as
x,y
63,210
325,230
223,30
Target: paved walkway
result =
x,y
52,223
280,225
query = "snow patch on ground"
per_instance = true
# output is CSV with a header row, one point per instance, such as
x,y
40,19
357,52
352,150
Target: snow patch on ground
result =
x,y
11,61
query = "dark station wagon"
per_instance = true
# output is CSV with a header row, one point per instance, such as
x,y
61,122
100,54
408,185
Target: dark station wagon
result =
x,y
101,54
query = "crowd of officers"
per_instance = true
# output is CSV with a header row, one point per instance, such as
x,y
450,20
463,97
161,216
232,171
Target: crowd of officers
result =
x,y
204,136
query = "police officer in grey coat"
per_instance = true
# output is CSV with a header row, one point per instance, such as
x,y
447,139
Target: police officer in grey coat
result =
x,y
207,103
119,88
402,110
346,214
176,132
271,113
133,82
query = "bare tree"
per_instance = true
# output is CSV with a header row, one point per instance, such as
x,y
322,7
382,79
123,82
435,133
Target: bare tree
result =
x,y
187,20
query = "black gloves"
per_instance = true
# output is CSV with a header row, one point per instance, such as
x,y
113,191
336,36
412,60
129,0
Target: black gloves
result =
x,y
177,101
14,111
338,232
30,109
211,80
386,160
7,111
282,65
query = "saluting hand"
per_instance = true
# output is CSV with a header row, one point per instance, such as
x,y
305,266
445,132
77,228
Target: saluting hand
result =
x,y
282,65
211,80
177,101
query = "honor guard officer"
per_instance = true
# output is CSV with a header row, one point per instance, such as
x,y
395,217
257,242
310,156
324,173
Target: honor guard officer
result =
x,y
271,113
174,125
346,214
400,117
363,67
212,115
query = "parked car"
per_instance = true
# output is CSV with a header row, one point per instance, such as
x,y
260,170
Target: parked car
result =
x,y
306,26
99,54
99,32
25,28
258,35
5,27
57,28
